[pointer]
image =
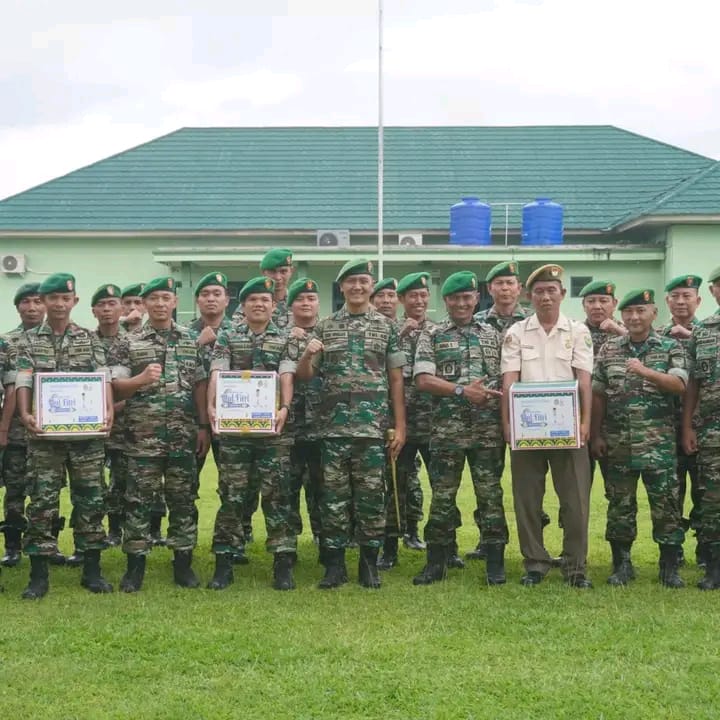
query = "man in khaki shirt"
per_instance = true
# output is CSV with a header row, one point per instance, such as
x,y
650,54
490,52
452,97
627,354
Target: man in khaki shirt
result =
x,y
549,347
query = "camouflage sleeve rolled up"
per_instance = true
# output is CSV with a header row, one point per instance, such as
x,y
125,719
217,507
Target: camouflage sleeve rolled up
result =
x,y
24,365
678,362
424,355
395,354
99,359
119,360
7,362
599,376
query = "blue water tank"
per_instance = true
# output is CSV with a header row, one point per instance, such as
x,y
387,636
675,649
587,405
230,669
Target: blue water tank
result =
x,y
470,222
542,223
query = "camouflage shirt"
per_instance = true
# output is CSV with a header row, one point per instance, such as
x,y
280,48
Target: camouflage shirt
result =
x,y
160,419
116,440
418,404
461,354
501,322
16,434
359,350
7,364
281,317
704,362
598,336
302,423
197,326
639,418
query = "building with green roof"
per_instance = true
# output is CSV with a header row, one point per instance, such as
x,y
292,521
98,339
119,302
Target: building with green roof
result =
x,y
637,211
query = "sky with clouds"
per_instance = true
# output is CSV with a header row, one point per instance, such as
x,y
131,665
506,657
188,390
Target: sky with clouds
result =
x,y
81,79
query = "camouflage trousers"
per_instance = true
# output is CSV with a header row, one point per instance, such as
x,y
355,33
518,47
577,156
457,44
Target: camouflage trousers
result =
x,y
242,463
148,478
116,460
410,498
352,495
708,461
305,472
621,491
688,465
48,461
14,473
446,470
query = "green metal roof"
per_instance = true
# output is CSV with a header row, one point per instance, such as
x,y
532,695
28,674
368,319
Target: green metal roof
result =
x,y
305,178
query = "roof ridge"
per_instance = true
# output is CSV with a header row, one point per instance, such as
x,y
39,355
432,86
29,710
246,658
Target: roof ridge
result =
x,y
659,142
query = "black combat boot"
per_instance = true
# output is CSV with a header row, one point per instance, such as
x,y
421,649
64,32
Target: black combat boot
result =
x,y
182,570
669,566
282,571
134,575
623,570
479,553
453,560
495,568
335,569
389,557
114,536
711,581
13,547
92,578
435,567
411,539
39,582
156,529
224,575
367,567
57,558
702,554
77,559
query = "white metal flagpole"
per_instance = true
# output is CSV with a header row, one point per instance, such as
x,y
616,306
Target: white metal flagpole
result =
x,y
381,155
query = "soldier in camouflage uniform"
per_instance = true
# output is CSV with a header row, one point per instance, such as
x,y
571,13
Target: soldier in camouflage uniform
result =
x,y
701,431
357,353
59,345
7,390
305,457
13,437
160,372
634,381
255,344
458,362
683,299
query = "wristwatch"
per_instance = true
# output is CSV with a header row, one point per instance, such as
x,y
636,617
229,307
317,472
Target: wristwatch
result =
x,y
459,390
285,406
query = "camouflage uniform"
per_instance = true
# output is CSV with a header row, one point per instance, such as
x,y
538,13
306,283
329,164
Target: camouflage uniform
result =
x,y
48,461
264,460
160,434
640,436
305,454
461,430
281,317
353,417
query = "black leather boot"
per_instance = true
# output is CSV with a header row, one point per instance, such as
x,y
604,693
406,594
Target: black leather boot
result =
x,y
479,553
453,559
283,571
495,568
92,578
711,581
435,567
335,569
182,570
114,536
39,581
702,554
623,570
669,566
134,575
389,557
77,559
411,539
224,575
13,547
57,558
367,567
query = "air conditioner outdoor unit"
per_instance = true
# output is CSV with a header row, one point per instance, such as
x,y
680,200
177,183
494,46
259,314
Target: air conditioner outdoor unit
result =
x,y
408,239
12,264
333,238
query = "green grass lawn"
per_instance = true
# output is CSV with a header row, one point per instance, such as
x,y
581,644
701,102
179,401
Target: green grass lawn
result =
x,y
457,649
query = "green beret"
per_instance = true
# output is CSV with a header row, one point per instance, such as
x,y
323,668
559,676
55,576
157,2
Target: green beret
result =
x,y
159,284
57,283
132,290
389,283
503,269
355,267
598,287
26,290
714,275
301,285
104,292
545,273
459,282
413,281
275,258
259,284
213,278
643,296
684,281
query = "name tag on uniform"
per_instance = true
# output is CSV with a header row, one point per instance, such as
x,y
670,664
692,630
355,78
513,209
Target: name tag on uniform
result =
x,y
448,345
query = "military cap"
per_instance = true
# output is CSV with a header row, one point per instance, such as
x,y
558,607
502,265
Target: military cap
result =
x,y
643,296
275,258
413,281
26,290
545,273
104,292
355,267
57,283
714,275
684,281
132,290
503,269
259,284
389,283
301,285
462,281
159,284
212,278
598,287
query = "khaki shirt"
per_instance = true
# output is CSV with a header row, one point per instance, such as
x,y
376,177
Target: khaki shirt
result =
x,y
547,357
